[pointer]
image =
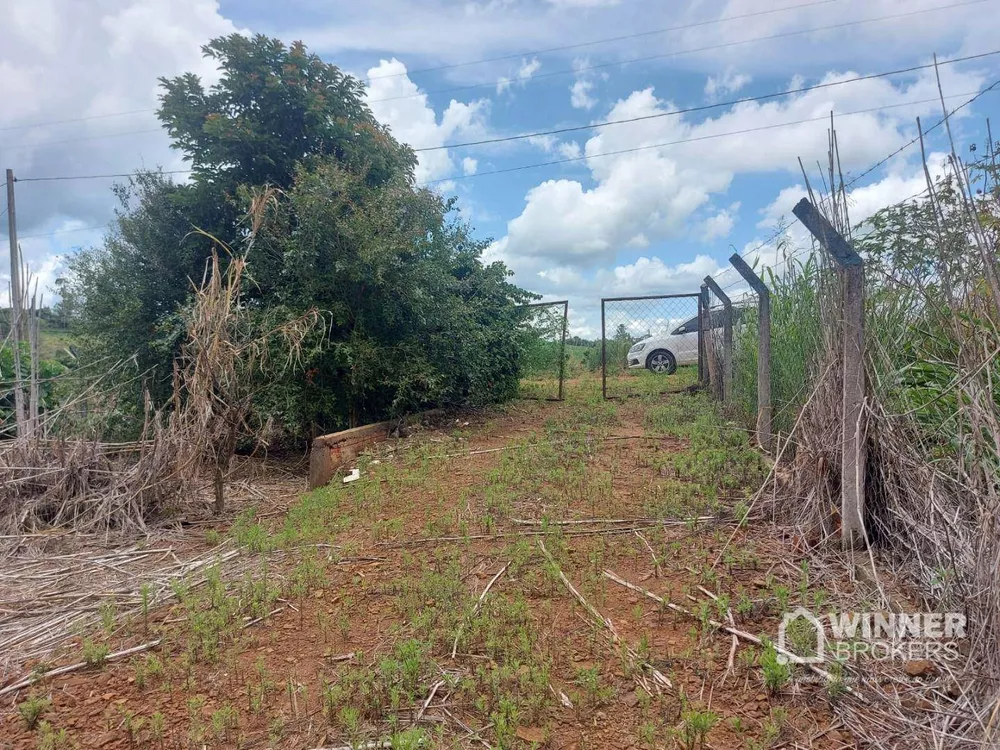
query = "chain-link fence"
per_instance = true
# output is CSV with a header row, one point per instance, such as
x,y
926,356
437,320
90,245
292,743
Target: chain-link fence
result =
x,y
733,333
649,344
543,327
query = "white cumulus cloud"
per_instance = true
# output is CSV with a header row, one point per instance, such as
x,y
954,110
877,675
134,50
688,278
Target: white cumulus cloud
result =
x,y
727,83
96,65
658,192
523,74
397,102
579,94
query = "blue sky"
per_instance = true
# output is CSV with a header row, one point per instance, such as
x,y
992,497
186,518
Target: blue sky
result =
x,y
655,220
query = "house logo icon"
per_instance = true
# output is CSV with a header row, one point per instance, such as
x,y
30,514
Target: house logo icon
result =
x,y
785,654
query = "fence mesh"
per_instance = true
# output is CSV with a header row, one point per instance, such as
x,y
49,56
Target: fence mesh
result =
x,y
650,344
718,344
743,396
543,326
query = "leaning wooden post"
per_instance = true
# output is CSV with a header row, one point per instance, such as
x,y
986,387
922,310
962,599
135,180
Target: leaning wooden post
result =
x,y
763,349
704,371
711,350
727,338
701,338
852,465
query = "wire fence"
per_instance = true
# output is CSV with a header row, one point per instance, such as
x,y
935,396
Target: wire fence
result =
x,y
649,344
543,327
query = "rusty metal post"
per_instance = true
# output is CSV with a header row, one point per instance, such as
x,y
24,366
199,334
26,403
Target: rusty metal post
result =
x,y
604,355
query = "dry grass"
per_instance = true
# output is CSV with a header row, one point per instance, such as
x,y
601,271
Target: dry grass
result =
x,y
932,421
230,352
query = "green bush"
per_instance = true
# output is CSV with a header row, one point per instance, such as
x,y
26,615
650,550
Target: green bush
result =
x,y
414,317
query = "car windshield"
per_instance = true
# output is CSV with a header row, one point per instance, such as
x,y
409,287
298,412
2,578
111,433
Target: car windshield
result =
x,y
718,320
688,326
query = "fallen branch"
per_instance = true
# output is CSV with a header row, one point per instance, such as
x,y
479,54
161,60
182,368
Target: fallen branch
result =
x,y
427,702
475,609
594,521
732,622
32,679
652,552
29,681
658,677
505,535
714,623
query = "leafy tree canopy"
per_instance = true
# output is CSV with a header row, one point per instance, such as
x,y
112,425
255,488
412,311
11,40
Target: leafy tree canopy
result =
x,y
414,316
274,108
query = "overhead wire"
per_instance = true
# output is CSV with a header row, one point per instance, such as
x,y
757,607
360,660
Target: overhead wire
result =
x,y
42,144
868,171
605,40
696,139
582,158
678,53
706,107
637,148
469,63
538,52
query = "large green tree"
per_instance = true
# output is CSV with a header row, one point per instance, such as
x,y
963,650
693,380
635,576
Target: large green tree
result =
x,y
415,317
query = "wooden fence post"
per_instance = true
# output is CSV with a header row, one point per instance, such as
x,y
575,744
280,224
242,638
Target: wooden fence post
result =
x,y
706,327
727,338
763,349
854,458
17,298
702,370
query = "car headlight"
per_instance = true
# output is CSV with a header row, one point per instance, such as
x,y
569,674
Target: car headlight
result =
x,y
636,348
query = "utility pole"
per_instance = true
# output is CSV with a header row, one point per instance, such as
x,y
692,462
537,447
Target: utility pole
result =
x,y
15,302
15,260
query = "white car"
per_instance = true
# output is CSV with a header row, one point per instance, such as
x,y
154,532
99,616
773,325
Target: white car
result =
x,y
663,352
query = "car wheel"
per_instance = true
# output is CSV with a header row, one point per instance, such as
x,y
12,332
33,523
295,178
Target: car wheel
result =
x,y
661,362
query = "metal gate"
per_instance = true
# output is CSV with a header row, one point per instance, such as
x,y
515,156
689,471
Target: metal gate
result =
x,y
651,344
543,327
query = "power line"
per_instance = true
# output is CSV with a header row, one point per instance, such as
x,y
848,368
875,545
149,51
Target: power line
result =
x,y
568,160
606,40
561,48
762,244
713,136
512,56
916,138
21,146
63,231
868,171
678,53
76,119
95,176
705,107
762,97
